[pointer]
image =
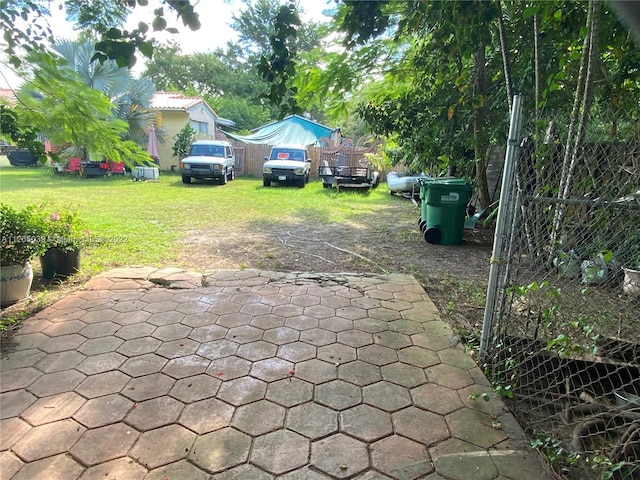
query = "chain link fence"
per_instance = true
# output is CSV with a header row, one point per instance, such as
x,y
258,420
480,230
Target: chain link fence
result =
x,y
562,327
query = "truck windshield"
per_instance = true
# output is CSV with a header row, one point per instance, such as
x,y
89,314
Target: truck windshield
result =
x,y
207,150
287,154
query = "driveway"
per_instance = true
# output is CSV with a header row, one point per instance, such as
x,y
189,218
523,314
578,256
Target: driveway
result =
x,y
250,374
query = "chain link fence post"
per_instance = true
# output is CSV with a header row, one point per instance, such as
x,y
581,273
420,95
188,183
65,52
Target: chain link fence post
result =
x,y
560,339
503,219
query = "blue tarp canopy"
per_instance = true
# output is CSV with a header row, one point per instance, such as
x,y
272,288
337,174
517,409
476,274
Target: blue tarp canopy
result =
x,y
292,129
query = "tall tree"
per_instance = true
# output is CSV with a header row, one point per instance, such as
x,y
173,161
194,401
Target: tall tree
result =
x,y
56,102
579,115
131,97
228,79
230,86
255,25
444,112
101,17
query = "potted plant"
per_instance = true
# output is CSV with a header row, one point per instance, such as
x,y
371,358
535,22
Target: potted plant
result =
x,y
601,269
63,240
20,239
631,282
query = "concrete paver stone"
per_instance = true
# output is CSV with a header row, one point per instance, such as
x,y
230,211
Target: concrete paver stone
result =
x,y
312,420
47,440
60,467
191,389
162,446
13,429
206,415
178,470
289,392
340,456
366,423
280,451
156,374
120,469
104,444
53,408
58,362
102,411
220,450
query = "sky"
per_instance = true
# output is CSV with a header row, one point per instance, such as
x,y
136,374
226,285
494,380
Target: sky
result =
x,y
215,18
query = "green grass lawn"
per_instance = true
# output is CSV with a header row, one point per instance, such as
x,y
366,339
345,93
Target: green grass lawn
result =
x,y
143,223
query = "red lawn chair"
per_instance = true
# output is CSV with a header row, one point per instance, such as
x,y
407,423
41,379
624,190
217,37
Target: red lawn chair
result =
x,y
117,168
75,166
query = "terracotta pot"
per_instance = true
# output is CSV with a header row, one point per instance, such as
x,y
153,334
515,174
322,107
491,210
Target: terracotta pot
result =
x,y
56,263
15,283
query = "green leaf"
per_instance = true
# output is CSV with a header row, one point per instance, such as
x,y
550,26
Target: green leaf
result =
x,y
146,48
158,24
114,34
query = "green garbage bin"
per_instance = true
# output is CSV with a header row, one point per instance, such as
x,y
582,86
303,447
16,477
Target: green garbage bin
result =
x,y
443,209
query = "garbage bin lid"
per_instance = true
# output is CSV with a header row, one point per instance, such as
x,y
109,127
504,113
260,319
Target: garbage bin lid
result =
x,y
455,187
443,181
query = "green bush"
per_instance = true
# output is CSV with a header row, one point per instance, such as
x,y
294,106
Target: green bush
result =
x,y
21,235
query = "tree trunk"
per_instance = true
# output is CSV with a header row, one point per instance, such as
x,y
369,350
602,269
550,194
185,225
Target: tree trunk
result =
x,y
536,60
478,128
587,98
579,116
505,58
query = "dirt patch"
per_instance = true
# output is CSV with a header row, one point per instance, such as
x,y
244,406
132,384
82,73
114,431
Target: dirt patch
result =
x,y
384,241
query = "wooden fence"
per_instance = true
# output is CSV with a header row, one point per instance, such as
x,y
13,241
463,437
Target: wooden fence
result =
x,y
250,157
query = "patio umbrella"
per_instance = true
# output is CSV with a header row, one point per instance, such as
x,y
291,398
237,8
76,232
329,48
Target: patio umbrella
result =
x,y
152,144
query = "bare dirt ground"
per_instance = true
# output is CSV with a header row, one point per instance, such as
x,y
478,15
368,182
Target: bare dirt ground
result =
x,y
382,241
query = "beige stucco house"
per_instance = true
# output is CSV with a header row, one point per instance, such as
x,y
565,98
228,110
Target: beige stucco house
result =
x,y
174,111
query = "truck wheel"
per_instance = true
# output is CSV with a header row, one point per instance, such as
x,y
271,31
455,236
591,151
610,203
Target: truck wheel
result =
x,y
266,183
232,176
224,178
301,183
186,179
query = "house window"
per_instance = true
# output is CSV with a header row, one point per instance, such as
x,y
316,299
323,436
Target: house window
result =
x,y
200,127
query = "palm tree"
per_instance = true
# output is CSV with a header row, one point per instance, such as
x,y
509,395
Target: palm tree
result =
x,y
131,97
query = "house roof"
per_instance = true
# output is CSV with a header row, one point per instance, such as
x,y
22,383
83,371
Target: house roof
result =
x,y
291,129
8,95
176,101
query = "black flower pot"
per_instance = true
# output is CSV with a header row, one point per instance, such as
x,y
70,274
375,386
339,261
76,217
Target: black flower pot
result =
x,y
56,263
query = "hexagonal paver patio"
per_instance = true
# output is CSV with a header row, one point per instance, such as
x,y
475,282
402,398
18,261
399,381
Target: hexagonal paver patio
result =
x,y
246,375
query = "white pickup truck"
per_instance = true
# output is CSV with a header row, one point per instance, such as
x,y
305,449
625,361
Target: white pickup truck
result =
x,y
287,163
209,160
